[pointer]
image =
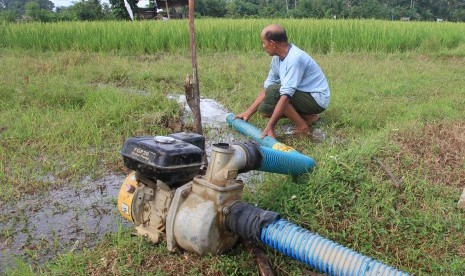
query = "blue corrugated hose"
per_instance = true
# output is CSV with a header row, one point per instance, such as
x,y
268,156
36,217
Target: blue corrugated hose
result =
x,y
250,131
292,163
320,253
278,157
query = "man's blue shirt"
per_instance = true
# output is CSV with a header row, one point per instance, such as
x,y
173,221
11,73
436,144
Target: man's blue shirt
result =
x,y
298,71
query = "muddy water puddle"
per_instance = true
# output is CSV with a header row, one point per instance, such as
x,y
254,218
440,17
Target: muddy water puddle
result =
x,y
40,226
69,218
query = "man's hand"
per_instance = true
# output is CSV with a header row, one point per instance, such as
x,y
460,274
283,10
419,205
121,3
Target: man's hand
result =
x,y
253,108
269,130
244,116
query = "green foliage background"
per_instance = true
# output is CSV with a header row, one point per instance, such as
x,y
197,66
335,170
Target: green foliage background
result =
x,y
42,10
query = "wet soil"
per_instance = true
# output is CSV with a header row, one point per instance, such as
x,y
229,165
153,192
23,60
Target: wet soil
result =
x,y
40,225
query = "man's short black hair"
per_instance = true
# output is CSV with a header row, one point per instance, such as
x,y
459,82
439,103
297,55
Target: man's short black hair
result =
x,y
277,35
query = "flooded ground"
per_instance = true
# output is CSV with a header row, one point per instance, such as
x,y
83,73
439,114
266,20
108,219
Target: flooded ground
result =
x,y
40,226
61,220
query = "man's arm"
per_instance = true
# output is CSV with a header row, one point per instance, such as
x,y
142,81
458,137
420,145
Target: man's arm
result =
x,y
272,78
252,108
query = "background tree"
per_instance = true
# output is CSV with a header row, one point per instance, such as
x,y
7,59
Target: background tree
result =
x,y
33,11
120,11
7,15
86,10
243,8
215,8
106,10
274,8
18,7
43,10
310,9
370,9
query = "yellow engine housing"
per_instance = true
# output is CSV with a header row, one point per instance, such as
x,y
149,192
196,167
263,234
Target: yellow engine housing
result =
x,y
126,195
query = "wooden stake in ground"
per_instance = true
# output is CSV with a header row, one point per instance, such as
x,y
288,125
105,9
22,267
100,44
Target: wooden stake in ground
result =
x,y
264,267
192,85
395,181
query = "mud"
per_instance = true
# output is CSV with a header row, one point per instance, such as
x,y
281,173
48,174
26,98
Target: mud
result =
x,y
69,218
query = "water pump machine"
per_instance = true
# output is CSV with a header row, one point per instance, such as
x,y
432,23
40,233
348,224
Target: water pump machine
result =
x,y
171,196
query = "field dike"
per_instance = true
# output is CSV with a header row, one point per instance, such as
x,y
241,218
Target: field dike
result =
x,y
40,226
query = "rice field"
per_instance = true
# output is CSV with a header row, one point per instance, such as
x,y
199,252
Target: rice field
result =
x,y
321,36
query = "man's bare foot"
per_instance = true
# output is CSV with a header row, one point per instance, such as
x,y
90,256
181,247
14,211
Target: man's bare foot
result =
x,y
301,131
310,118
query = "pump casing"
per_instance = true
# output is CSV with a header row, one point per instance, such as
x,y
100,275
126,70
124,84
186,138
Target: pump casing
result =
x,y
167,197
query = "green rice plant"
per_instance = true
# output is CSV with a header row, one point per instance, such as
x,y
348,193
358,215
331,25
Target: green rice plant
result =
x,y
318,36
